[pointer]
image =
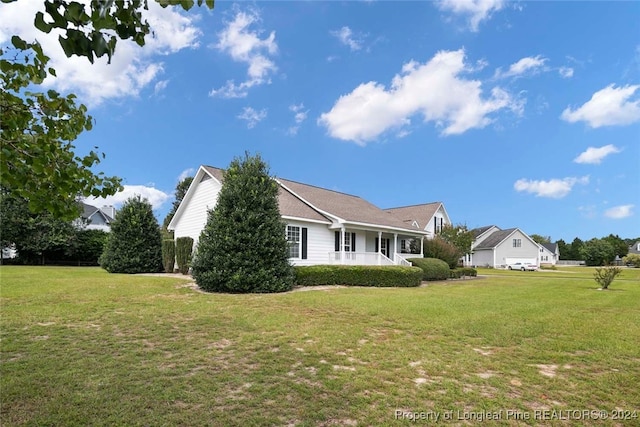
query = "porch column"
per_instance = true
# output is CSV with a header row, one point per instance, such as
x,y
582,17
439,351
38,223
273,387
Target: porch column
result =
x,y
342,245
422,246
395,247
379,247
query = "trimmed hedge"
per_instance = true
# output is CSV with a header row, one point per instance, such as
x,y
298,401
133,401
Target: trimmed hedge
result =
x,y
457,273
168,255
184,250
432,268
358,275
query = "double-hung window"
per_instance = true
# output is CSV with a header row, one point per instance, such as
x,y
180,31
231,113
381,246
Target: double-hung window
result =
x,y
517,243
294,240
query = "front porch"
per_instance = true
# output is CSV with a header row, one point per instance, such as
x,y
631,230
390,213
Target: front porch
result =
x,y
380,248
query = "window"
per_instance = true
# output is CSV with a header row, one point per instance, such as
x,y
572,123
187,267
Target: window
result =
x,y
517,243
293,238
347,242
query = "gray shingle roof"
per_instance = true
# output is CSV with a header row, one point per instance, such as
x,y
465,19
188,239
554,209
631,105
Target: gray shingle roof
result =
x,y
495,239
551,247
421,213
478,231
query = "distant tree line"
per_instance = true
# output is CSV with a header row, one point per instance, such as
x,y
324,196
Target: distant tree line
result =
x,y
595,251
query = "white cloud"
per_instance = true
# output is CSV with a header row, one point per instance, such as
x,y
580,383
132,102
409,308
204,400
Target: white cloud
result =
x,y
434,89
526,66
156,197
619,212
554,188
185,174
160,86
348,38
132,67
607,107
300,115
595,155
245,45
475,10
252,117
566,72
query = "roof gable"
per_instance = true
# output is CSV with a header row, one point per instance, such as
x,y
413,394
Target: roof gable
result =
x,y
496,238
422,213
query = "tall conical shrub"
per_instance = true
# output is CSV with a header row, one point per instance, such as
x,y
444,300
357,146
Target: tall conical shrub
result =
x,y
134,244
184,249
243,246
168,255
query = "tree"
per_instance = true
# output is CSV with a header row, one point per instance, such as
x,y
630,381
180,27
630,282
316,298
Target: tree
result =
x,y
243,246
37,129
540,239
598,252
442,250
563,248
459,236
604,276
576,250
181,190
620,247
134,244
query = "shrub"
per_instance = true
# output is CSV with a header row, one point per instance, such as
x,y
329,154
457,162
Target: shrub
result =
x,y
243,247
168,255
632,260
358,275
432,268
604,276
184,249
443,250
134,244
457,273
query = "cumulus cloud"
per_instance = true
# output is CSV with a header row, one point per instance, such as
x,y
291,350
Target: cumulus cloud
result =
x,y
252,117
436,89
300,115
132,67
607,107
526,66
554,188
619,212
156,197
475,11
594,155
348,38
244,45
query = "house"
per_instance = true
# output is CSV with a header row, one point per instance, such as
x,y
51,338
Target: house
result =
x,y
549,253
497,248
635,248
93,218
322,226
429,217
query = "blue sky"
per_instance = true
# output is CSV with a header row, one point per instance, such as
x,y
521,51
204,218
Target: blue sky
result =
x,y
518,114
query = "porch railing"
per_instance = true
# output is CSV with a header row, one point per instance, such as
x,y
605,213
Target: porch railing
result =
x,y
359,258
401,260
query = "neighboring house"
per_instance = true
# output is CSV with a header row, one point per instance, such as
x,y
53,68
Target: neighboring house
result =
x,y
635,248
429,217
322,226
93,218
497,248
549,253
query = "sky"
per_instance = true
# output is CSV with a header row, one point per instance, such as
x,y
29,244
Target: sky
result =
x,y
517,114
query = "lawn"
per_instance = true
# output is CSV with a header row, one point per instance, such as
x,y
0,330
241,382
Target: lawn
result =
x,y
83,347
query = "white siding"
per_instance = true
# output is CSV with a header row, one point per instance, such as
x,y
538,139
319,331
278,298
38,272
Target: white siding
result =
x,y
320,241
194,215
483,258
529,249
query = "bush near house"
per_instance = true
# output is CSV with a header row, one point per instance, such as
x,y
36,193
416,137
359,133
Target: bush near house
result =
x,y
432,268
184,250
358,275
443,250
632,260
168,255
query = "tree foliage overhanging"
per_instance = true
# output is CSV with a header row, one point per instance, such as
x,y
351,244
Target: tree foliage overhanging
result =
x,y
37,128
243,247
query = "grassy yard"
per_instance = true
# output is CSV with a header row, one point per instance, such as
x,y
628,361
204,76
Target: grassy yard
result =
x,y
83,347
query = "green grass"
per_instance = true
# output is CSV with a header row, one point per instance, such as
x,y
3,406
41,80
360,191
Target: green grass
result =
x,y
83,347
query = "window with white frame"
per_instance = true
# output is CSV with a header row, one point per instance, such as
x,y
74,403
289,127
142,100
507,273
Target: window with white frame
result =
x,y
347,242
293,238
517,243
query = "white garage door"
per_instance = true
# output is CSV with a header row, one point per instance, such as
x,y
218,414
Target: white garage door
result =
x,y
510,261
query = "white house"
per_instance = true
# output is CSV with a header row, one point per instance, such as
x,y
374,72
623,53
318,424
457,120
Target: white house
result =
x,y
497,248
429,217
322,226
93,218
549,253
